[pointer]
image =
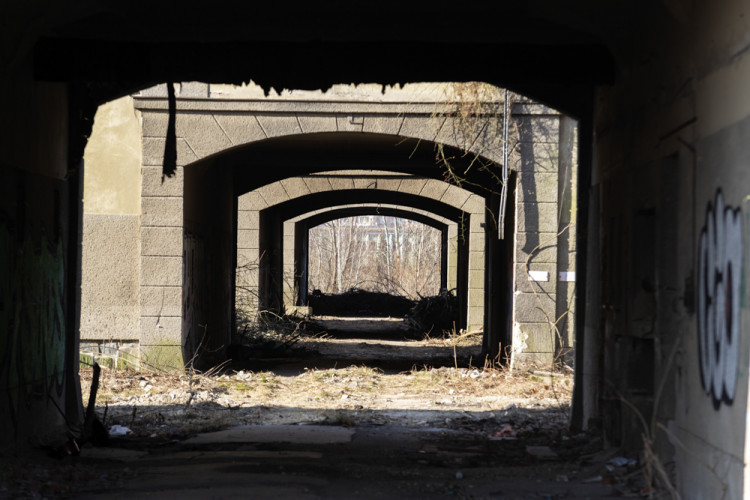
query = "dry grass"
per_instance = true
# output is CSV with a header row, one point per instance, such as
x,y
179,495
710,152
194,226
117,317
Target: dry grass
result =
x,y
330,388
172,405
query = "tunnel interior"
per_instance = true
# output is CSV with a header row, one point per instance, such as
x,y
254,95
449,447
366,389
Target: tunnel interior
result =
x,y
660,92
276,246
253,175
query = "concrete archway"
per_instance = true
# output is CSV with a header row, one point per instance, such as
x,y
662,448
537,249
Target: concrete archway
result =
x,y
296,234
260,147
270,238
681,64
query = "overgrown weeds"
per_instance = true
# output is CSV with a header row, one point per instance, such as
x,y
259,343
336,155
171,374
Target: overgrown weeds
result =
x,y
434,314
271,335
357,302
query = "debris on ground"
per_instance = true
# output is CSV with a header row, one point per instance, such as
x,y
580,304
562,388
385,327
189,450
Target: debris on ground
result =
x,y
449,430
119,430
269,335
506,432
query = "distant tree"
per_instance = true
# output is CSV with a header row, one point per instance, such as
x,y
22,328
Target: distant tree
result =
x,y
383,254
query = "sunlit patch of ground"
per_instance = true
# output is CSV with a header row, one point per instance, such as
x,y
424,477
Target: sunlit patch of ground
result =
x,y
172,406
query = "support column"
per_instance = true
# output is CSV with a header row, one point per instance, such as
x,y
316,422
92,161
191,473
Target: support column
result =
x,y
566,243
452,256
248,254
535,305
161,256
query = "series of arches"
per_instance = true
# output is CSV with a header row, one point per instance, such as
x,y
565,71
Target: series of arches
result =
x,y
245,168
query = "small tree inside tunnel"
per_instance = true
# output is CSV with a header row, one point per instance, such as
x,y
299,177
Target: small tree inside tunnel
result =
x,y
375,253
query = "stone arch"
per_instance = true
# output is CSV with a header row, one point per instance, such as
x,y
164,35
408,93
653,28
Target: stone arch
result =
x,y
168,241
296,232
206,127
256,240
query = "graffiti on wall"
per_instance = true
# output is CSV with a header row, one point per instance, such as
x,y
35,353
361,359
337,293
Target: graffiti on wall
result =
x,y
719,279
32,305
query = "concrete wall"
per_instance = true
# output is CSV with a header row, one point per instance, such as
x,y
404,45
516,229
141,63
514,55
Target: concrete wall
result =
x,y
671,184
39,258
110,281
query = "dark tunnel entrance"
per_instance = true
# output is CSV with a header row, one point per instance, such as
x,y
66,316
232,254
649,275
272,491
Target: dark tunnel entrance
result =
x,y
257,202
658,87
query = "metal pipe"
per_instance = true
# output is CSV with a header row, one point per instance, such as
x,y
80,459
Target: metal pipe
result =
x,y
504,188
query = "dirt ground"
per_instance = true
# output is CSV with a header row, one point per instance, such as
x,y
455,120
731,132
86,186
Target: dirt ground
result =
x,y
336,378
421,416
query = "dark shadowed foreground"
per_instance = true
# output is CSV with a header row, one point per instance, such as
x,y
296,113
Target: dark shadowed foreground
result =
x,y
329,426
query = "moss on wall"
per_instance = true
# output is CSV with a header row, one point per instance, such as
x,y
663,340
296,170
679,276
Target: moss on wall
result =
x,y
163,356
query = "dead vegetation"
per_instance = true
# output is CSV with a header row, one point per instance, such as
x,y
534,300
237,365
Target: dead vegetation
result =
x,y
168,406
434,316
270,335
357,302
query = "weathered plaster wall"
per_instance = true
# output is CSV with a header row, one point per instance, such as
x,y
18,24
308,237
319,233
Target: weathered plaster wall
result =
x,y
110,278
110,308
112,181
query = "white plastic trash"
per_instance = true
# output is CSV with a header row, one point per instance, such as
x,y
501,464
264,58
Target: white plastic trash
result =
x,y
119,430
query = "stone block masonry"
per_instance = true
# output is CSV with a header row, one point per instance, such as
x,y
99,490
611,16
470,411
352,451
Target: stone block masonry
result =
x,y
207,127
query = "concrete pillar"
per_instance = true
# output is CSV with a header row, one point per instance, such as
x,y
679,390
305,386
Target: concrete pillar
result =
x,y
248,254
162,258
452,257
535,307
566,181
289,264
40,217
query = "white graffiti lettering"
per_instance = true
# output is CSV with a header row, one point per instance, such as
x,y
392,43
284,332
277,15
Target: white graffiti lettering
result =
x,y
719,278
